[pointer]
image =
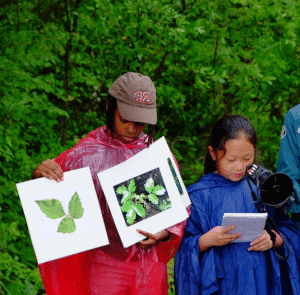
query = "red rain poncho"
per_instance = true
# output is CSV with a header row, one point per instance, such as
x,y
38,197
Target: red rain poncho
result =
x,y
113,266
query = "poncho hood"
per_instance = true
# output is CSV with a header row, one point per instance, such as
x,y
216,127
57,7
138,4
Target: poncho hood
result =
x,y
213,180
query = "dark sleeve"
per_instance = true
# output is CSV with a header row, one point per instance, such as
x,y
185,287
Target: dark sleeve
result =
x,y
289,154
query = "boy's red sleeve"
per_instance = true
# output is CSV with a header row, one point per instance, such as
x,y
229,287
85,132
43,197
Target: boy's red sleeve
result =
x,y
62,158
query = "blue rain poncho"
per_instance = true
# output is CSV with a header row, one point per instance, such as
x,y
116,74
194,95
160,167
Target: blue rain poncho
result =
x,y
232,269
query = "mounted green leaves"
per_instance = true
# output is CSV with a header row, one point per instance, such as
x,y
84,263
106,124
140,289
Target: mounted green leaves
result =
x,y
53,209
67,225
75,207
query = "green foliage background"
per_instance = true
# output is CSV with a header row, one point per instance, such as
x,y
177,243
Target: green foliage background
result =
x,y
206,58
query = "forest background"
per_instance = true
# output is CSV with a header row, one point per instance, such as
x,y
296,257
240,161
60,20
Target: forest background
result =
x,y
206,58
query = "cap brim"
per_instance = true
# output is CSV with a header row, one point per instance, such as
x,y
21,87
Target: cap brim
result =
x,y
136,114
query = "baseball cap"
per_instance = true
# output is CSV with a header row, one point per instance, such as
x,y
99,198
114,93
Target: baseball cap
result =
x,y
136,97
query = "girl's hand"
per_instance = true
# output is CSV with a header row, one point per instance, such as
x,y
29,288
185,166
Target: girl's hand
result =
x,y
262,243
50,170
217,236
152,239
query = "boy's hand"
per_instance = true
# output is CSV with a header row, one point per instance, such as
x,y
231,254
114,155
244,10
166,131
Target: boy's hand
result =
x,y
50,170
152,239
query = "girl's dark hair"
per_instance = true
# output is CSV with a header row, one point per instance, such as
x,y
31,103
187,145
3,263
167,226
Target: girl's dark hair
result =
x,y
228,127
110,119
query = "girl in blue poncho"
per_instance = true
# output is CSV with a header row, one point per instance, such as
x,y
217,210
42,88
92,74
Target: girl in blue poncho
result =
x,y
207,261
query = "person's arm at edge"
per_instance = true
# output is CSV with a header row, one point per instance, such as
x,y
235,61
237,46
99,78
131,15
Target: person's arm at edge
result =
x,y
288,160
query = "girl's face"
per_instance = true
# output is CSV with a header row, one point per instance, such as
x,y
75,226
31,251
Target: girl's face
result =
x,y
126,131
232,163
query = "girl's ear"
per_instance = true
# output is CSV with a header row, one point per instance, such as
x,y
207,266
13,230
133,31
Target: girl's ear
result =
x,y
212,153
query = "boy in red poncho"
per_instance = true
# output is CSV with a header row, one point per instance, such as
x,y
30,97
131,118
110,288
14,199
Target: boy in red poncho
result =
x,y
141,268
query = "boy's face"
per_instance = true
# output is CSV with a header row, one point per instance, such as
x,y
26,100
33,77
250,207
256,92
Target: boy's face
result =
x,y
232,164
126,131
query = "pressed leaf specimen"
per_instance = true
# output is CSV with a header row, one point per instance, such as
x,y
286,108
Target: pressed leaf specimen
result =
x,y
53,209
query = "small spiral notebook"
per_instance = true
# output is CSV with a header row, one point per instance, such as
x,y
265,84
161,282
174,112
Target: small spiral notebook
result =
x,y
250,225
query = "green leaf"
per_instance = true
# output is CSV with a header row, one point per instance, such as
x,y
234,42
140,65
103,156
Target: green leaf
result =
x,y
126,197
149,185
159,190
55,110
132,186
75,207
131,215
140,210
67,225
127,206
122,190
153,199
52,208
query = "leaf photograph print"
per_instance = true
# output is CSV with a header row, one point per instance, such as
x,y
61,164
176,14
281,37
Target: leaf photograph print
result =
x,y
142,197
53,209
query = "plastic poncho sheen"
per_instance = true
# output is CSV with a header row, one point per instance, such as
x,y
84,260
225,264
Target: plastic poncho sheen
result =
x,y
71,275
232,269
